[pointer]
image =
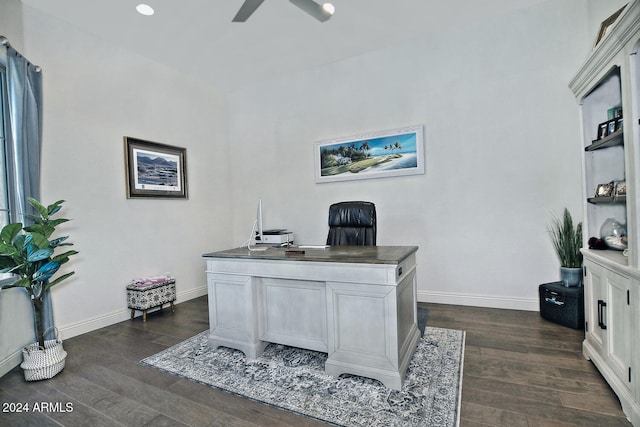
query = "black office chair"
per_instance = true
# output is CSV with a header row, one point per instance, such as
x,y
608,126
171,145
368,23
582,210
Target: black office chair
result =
x,y
352,223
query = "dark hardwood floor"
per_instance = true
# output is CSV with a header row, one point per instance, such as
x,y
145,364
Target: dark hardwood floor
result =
x,y
519,370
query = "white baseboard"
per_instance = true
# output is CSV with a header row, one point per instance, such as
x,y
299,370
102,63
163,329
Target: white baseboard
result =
x,y
192,293
479,300
10,362
88,325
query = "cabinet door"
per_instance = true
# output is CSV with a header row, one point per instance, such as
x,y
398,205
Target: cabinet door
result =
x,y
618,318
595,305
608,313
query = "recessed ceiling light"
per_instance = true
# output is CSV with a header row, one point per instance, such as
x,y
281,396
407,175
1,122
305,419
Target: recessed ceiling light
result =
x,y
328,7
144,9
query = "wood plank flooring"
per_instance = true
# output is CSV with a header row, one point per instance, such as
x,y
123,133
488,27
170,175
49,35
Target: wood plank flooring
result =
x,y
519,370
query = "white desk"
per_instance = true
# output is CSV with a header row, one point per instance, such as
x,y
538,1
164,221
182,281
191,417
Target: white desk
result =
x,y
357,304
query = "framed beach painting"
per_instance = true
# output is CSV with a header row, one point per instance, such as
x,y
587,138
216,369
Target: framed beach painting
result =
x,y
155,170
394,152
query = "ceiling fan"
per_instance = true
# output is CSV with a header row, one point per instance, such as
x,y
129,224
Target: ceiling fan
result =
x,y
321,12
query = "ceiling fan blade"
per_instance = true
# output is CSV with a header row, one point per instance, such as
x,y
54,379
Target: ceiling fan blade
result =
x,y
247,8
313,9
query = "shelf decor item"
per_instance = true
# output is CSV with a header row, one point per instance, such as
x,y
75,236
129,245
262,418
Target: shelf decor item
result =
x,y
620,189
605,190
615,112
614,234
603,130
567,241
28,253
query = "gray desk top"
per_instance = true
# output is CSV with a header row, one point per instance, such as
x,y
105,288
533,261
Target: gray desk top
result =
x,y
349,254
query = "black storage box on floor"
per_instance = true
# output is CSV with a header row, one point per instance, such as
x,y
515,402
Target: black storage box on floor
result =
x,y
562,305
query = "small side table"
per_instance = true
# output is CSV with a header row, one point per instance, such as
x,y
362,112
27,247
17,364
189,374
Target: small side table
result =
x,y
145,294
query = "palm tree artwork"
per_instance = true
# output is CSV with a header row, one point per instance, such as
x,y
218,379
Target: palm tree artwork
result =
x,y
369,155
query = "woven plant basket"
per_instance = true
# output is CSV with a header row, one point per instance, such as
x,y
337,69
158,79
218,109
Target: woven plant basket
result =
x,y
43,363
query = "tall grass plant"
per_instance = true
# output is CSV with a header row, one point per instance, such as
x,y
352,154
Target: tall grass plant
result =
x,y
567,240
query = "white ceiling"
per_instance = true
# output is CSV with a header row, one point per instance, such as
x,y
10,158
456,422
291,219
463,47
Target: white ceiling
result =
x,y
198,37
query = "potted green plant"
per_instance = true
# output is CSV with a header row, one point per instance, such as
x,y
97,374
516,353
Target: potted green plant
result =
x,y
567,241
28,253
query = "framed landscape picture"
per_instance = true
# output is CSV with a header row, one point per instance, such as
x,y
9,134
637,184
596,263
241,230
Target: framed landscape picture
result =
x,y
394,152
155,170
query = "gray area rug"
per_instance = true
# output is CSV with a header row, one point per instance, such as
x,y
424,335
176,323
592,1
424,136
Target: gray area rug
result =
x,y
293,379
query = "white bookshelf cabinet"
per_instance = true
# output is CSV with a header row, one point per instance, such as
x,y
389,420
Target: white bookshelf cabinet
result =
x,y
609,80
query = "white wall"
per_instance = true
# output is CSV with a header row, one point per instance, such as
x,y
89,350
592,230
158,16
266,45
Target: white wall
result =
x,y
502,150
11,22
94,95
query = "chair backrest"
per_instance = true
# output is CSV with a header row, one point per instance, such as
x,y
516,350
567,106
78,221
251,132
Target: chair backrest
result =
x,y
352,223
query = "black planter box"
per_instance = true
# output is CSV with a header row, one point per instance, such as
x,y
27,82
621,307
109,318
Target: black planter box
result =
x,y
562,305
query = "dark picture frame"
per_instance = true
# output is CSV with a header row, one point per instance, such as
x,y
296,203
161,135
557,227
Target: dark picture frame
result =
x,y
155,170
603,130
605,190
620,188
